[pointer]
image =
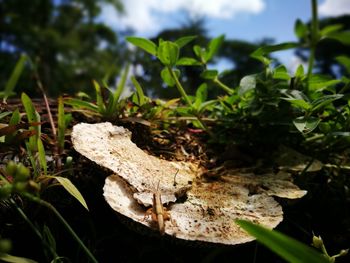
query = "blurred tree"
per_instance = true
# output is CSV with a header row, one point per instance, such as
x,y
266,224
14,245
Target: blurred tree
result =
x,y
328,49
67,45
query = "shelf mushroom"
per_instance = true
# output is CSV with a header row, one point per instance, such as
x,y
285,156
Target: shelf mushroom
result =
x,y
200,209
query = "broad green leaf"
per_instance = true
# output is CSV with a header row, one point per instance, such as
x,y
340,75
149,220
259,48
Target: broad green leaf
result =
x,y
299,103
61,123
288,248
269,49
16,73
183,41
247,83
345,61
330,29
13,259
167,78
300,29
42,155
299,73
201,95
78,103
99,99
71,189
200,52
168,53
281,73
139,91
325,100
206,104
209,74
320,82
213,47
343,37
188,62
143,43
306,124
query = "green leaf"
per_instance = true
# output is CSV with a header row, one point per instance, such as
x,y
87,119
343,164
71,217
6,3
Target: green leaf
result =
x,y
61,124
121,84
4,114
345,61
14,120
16,73
281,73
42,156
209,74
99,99
306,124
299,73
269,49
320,82
343,37
32,116
13,259
330,29
139,91
188,62
71,189
288,248
300,29
78,103
167,78
201,95
200,52
213,47
143,43
205,105
247,83
168,53
299,103
325,100
183,41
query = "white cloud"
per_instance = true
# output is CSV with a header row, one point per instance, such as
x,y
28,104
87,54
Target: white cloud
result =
x,y
149,15
334,7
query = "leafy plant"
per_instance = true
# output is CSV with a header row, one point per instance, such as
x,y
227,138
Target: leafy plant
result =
x,y
288,248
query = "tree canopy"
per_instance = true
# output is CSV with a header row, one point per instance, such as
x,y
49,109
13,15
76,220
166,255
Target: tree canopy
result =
x,y
68,47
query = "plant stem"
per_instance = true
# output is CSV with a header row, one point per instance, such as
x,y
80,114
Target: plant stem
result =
x,y
186,98
64,222
179,86
33,227
223,86
314,37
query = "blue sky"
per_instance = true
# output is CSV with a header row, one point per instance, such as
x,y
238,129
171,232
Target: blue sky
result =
x,y
249,20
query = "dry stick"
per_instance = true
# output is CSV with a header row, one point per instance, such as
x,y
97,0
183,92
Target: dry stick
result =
x,y
52,124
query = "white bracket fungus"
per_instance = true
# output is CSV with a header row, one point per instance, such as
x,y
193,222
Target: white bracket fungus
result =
x,y
200,209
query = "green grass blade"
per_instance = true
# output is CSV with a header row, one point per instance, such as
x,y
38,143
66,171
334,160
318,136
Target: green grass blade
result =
x,y
16,73
4,114
139,91
42,156
61,124
71,189
13,259
288,248
99,99
32,116
121,83
78,103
